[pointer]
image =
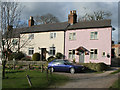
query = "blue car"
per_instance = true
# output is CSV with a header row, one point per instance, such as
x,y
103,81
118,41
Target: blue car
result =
x,y
64,66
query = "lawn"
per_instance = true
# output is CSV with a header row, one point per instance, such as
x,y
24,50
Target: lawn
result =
x,y
116,84
17,79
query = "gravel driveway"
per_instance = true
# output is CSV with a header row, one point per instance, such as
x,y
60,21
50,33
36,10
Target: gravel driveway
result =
x,y
89,80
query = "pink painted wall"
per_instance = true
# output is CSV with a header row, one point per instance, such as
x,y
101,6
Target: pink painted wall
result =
x,y
83,39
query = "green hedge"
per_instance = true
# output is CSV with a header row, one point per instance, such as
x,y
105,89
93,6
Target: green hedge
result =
x,y
36,57
96,66
17,56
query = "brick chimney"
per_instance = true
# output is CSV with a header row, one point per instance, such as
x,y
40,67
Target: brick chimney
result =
x,y
9,27
31,21
72,17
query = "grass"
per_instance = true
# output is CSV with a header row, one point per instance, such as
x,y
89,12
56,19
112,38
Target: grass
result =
x,y
116,84
17,79
117,71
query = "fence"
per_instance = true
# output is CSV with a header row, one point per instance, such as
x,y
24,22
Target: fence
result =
x,y
27,62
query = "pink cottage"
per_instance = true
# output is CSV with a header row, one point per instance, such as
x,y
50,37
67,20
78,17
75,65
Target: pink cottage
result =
x,y
88,41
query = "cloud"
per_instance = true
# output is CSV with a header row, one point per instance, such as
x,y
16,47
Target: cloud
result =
x,y
62,9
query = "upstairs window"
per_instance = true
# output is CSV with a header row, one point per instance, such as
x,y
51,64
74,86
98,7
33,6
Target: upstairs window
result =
x,y
31,36
93,53
72,36
14,41
94,35
52,35
52,51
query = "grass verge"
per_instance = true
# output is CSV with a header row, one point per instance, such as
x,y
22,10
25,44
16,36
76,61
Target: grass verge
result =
x,y
17,79
117,71
116,84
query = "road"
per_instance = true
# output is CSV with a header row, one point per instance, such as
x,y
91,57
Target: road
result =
x,y
89,80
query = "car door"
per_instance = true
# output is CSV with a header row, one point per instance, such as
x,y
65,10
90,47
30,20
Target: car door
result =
x,y
62,66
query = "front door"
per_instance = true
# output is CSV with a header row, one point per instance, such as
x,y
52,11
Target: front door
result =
x,y
43,54
81,57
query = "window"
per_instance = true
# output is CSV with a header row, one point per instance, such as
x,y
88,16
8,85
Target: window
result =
x,y
94,35
52,35
31,51
93,53
103,54
14,41
52,51
71,54
72,36
31,36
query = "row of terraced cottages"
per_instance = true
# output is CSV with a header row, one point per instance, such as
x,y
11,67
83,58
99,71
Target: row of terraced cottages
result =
x,y
85,41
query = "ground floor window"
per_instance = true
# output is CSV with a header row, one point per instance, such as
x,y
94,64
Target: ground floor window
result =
x,y
52,51
93,53
30,51
71,54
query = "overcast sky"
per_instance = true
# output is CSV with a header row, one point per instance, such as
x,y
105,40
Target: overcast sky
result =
x,y
62,9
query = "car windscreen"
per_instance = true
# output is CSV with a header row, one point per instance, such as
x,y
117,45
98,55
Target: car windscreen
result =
x,y
68,62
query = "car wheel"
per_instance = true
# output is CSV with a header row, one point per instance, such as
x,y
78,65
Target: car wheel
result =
x,y
51,69
72,70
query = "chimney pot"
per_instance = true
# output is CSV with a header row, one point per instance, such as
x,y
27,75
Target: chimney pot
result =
x,y
31,21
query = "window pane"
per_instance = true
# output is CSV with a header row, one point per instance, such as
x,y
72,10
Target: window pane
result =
x,y
91,56
95,51
54,35
95,56
74,36
95,35
70,36
92,35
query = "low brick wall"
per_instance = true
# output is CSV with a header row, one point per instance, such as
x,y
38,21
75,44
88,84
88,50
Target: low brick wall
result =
x,y
27,62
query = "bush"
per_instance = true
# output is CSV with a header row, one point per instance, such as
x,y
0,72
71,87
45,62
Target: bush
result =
x,y
96,66
17,56
50,58
59,56
26,59
36,57
101,67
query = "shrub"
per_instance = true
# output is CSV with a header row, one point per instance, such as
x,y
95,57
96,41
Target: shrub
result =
x,y
74,60
50,58
17,56
26,59
36,57
101,67
96,66
59,56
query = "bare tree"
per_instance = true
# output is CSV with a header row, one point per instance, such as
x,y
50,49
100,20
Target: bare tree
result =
x,y
10,14
45,19
96,15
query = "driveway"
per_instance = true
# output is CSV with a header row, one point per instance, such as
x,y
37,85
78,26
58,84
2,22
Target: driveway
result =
x,y
89,80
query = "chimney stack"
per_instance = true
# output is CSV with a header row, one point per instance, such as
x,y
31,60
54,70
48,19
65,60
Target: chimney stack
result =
x,y
72,17
9,27
31,21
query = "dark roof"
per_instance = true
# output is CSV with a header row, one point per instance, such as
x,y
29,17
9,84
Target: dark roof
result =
x,y
46,27
90,24
61,27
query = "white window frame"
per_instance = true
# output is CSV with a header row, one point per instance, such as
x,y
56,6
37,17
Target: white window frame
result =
x,y
72,36
95,56
93,35
71,54
53,35
52,49
31,51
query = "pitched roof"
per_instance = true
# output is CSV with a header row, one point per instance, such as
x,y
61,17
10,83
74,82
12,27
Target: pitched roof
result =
x,y
46,27
90,24
62,26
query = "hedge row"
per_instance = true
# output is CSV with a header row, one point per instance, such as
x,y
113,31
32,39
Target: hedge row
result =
x,y
96,66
